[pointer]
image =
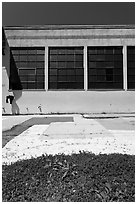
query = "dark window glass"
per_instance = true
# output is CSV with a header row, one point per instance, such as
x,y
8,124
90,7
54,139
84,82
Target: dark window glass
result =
x,y
31,78
39,78
105,68
70,64
66,68
79,64
79,72
29,65
61,64
131,67
40,71
40,85
23,58
53,64
53,78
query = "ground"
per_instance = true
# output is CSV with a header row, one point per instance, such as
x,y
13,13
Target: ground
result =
x,y
73,158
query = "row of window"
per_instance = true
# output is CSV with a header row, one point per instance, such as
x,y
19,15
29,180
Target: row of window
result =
x,y
66,67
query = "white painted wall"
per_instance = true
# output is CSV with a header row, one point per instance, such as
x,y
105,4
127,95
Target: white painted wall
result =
x,y
77,101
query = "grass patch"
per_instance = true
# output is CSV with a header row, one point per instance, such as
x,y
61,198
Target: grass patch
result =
x,y
82,177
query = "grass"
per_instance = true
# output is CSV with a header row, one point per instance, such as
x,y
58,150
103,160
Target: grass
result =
x,y
82,177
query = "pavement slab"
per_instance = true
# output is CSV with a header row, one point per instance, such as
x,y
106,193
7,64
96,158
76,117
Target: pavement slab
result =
x,y
67,138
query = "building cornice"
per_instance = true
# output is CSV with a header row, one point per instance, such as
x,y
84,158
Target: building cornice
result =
x,y
68,27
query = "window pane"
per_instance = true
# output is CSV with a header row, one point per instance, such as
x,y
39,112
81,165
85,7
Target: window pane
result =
x,y
104,64
62,72
23,64
40,85
69,64
31,85
79,58
80,78
40,57
31,58
71,78
15,52
70,58
24,78
40,71
101,78
79,72
53,85
53,58
24,85
31,78
92,71
25,60
131,67
31,52
71,72
23,51
62,78
40,51
31,64
79,64
99,50
61,65
53,72
53,64
61,58
53,78
92,78
70,51
61,51
39,78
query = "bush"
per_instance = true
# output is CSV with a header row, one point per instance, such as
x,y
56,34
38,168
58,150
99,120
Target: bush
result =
x,y
82,177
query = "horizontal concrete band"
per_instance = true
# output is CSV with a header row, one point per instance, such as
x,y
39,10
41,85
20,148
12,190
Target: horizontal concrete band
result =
x,y
74,37
62,27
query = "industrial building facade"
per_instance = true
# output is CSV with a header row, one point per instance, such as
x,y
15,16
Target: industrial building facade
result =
x,y
69,69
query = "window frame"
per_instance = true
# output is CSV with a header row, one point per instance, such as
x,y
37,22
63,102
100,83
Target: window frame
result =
x,y
130,68
107,65
72,52
32,52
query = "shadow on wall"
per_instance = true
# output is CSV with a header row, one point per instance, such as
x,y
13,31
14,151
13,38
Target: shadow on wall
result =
x,y
14,85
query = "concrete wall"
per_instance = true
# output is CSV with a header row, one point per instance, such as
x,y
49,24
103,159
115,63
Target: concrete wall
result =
x,y
68,101
84,36
76,101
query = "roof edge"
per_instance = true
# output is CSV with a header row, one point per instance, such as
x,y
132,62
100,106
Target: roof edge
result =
x,y
61,27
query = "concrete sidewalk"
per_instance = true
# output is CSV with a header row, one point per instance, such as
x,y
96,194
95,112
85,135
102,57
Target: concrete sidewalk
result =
x,y
67,138
9,121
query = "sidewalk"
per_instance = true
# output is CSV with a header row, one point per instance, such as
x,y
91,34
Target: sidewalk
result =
x,y
69,137
10,121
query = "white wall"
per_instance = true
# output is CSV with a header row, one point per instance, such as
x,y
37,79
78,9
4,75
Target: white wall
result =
x,y
77,101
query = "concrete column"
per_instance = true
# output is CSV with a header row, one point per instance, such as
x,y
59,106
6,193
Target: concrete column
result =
x,y
125,67
85,69
46,68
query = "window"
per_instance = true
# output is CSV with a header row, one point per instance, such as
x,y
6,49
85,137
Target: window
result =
x,y
105,68
131,67
29,63
66,68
